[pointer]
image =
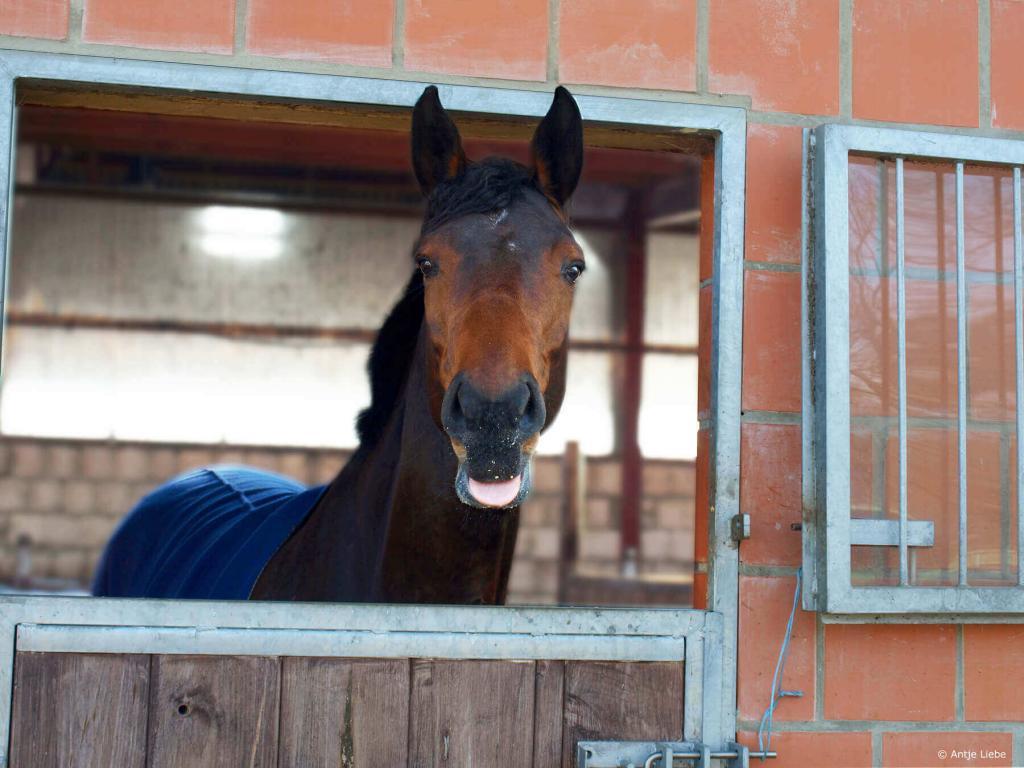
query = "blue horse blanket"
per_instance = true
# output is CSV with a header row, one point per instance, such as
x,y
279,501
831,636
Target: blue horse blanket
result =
x,y
205,534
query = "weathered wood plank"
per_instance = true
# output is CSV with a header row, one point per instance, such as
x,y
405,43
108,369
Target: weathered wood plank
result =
x,y
79,710
621,700
547,718
471,713
344,713
213,711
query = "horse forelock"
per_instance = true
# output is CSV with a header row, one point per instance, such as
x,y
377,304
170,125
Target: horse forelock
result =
x,y
489,187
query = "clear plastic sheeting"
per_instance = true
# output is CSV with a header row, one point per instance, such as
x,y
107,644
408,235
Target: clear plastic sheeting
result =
x,y
934,425
599,297
668,407
137,259
587,415
181,388
120,261
673,280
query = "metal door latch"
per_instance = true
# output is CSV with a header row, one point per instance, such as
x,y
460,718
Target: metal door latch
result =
x,y
740,527
652,754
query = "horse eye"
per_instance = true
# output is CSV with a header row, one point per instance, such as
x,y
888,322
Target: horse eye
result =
x,y
572,272
426,266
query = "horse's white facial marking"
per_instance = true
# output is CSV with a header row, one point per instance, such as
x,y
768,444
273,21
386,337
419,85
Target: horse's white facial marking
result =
x,y
499,217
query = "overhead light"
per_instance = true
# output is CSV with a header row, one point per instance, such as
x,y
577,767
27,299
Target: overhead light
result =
x,y
235,232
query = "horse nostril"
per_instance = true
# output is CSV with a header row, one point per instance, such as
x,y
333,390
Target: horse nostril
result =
x,y
453,415
468,403
521,398
533,411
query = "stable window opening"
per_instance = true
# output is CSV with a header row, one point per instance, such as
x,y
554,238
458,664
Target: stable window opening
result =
x,y
188,290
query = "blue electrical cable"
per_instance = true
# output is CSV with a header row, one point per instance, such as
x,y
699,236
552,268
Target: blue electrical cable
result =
x,y
764,728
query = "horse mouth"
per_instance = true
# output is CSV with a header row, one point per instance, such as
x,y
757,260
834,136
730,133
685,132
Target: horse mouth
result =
x,y
492,494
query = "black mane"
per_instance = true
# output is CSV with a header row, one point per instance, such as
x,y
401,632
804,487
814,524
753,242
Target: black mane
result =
x,y
390,359
484,187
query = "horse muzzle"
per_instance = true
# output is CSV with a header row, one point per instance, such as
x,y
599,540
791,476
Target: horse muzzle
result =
x,y
493,437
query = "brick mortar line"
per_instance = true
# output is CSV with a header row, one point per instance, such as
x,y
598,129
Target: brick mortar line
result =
x,y
40,547
76,21
985,63
241,26
819,667
766,571
876,749
771,266
891,726
701,50
554,49
809,121
398,36
305,66
846,58
958,680
91,444
780,418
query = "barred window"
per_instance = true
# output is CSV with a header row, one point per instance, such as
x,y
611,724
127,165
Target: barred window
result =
x,y
914,316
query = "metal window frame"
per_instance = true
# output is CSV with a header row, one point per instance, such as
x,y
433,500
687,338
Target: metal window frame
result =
x,y
827,527
725,125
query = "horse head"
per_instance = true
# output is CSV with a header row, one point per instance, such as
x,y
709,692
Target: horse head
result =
x,y
499,263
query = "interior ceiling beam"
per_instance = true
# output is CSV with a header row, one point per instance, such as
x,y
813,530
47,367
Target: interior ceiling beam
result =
x,y
362,148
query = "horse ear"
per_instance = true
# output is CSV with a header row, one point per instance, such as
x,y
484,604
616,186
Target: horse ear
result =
x,y
436,148
557,147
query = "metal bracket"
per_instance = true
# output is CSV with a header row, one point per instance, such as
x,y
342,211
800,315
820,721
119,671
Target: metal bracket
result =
x,y
886,533
662,754
742,759
739,527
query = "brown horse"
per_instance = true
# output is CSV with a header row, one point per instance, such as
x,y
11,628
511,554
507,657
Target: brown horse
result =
x,y
466,372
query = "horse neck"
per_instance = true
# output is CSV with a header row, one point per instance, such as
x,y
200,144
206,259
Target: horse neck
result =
x,y
430,547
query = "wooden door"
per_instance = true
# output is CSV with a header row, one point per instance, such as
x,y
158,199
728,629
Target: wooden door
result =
x,y
128,710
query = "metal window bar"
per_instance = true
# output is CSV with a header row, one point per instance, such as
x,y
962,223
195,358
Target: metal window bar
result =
x,y
901,347
901,352
961,370
1018,299
829,525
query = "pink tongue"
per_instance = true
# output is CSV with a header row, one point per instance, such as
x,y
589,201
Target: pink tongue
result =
x,y
498,494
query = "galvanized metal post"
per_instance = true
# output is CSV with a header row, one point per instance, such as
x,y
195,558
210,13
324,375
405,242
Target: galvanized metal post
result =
x,y
901,362
8,123
1018,304
961,370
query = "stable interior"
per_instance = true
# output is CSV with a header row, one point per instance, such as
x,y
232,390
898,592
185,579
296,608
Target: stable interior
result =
x,y
196,282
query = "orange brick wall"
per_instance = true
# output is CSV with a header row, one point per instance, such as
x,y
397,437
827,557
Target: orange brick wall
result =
x,y
873,695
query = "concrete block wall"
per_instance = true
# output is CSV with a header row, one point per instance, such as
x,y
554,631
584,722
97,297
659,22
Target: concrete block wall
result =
x,y
62,498
667,524
874,695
